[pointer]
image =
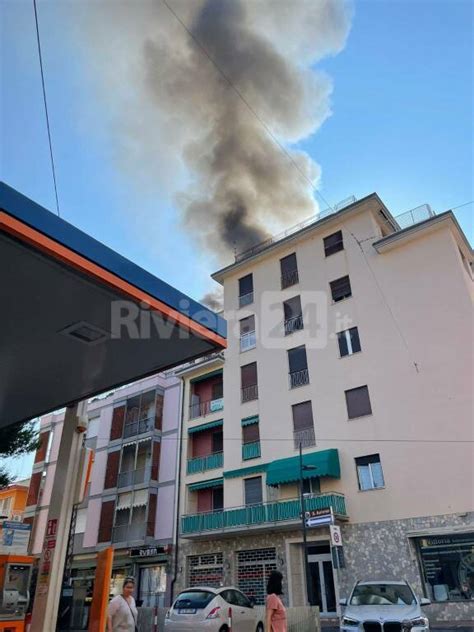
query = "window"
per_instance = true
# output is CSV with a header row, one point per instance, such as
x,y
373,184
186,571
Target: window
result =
x,y
312,485
293,315
298,367
253,490
333,243
250,439
217,498
217,441
248,375
217,390
5,507
303,425
340,289
358,402
349,342
289,271
247,333
369,472
246,290
250,433
446,562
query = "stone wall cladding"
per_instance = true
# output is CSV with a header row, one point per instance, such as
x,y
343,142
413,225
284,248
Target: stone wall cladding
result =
x,y
382,550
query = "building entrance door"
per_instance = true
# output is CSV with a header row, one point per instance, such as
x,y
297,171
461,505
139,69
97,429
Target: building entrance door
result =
x,y
322,579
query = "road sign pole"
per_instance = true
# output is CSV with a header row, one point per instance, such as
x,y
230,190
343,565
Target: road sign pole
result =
x,y
307,572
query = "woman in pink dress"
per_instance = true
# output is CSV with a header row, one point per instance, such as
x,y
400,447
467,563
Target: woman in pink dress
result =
x,y
275,617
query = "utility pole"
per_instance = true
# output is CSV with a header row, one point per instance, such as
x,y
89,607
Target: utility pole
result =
x,y
55,545
307,574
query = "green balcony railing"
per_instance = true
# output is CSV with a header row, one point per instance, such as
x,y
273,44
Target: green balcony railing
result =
x,y
261,514
204,463
251,450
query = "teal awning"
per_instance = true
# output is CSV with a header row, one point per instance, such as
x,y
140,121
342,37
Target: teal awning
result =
x,y
208,426
325,463
245,471
248,421
215,482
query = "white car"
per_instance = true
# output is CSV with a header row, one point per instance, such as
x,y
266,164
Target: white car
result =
x,y
213,609
383,606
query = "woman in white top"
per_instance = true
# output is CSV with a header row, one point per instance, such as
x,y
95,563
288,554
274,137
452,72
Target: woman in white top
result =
x,y
123,613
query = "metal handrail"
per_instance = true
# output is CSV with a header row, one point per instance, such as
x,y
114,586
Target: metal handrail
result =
x,y
293,324
245,299
249,393
205,463
134,477
248,340
305,437
201,409
298,378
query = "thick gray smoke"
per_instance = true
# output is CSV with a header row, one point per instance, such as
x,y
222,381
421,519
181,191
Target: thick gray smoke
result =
x,y
205,83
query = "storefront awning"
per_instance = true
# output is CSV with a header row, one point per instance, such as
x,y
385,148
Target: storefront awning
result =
x,y
215,482
324,462
248,421
203,427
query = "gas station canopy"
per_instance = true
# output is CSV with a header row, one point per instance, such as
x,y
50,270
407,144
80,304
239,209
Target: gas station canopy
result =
x,y
77,318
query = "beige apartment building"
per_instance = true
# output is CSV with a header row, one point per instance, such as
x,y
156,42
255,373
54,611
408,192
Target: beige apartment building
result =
x,y
350,336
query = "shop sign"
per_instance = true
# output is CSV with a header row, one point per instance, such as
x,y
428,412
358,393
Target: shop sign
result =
x,y
151,551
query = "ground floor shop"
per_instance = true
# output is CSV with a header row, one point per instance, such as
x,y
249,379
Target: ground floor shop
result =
x,y
434,554
150,566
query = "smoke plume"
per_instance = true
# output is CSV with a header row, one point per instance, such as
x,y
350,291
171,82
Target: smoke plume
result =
x,y
210,85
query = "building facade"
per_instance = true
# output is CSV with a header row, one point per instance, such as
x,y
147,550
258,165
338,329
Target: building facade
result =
x,y
349,338
130,498
13,500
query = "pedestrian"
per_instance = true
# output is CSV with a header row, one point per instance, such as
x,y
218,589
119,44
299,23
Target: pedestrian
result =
x,y
123,613
275,614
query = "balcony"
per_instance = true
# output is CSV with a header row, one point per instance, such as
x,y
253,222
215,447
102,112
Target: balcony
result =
x,y
280,513
134,477
201,409
298,378
138,427
248,341
251,450
305,437
289,278
293,324
129,532
248,393
205,463
245,299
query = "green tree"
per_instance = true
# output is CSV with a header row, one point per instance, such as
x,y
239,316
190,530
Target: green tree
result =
x,y
16,440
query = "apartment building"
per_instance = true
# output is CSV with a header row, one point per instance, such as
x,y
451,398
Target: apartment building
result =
x,y
13,500
350,337
130,500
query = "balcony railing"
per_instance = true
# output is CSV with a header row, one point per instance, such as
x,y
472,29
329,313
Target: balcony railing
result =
x,y
293,324
248,341
129,532
305,437
298,378
201,409
245,299
134,477
251,450
289,278
282,511
204,463
133,428
249,393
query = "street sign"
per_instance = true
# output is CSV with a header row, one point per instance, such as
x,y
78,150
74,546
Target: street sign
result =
x,y
14,537
336,536
319,517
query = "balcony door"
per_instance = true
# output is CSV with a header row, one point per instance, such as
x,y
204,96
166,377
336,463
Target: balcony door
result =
x,y
322,579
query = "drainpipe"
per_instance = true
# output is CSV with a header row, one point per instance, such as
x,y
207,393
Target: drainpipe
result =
x,y
178,490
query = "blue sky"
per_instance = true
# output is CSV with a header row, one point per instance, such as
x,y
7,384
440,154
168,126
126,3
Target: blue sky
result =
x,y
402,125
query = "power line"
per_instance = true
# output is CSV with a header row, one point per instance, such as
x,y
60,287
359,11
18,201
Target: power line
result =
x,y
40,56
247,104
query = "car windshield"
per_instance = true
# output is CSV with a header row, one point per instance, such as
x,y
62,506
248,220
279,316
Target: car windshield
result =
x,y
196,599
382,595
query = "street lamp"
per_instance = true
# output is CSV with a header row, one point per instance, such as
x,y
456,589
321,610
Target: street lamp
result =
x,y
309,585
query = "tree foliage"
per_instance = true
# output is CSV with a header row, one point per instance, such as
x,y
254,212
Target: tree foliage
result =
x,y
16,440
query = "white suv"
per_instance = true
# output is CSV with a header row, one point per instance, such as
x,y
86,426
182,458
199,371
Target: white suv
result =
x,y
213,609
383,606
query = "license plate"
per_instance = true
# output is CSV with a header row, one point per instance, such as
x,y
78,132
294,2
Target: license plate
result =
x,y
187,611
